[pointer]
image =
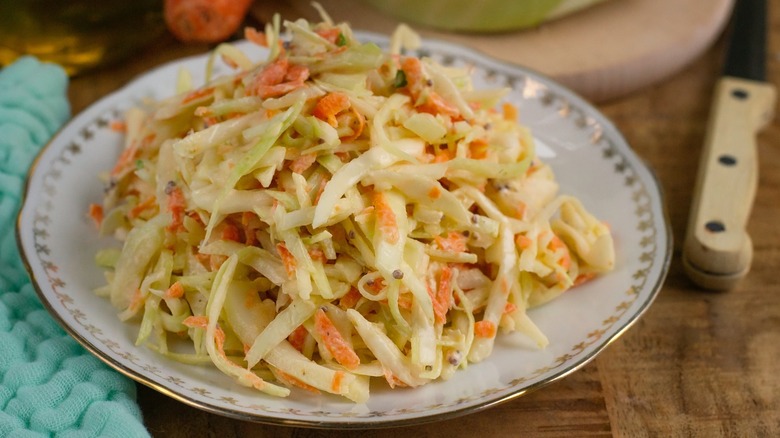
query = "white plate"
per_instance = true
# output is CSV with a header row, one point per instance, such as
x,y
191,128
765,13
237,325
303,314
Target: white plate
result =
x,y
590,158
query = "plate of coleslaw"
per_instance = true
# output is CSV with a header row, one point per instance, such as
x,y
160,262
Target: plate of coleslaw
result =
x,y
324,227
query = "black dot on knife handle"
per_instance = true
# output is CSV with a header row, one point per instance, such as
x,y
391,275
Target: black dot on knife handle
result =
x,y
715,226
740,93
727,160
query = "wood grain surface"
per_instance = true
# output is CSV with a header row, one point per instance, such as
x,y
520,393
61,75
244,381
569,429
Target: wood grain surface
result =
x,y
696,365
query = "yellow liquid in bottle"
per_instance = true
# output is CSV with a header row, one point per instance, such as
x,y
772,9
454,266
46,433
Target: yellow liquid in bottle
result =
x,y
77,34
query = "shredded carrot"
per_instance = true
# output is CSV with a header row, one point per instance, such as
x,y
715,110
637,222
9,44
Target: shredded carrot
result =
x,y
216,260
290,264
509,308
350,299
298,337
197,94
357,131
329,106
441,299
316,253
278,78
303,162
125,158
176,207
520,209
454,242
96,214
334,342
385,218
255,36
484,329
523,242
137,301
435,104
330,34
478,149
320,190
196,322
142,206
294,381
510,111
555,244
335,385
405,301
584,278
434,192
392,380
118,126
415,77
176,290
231,232
250,227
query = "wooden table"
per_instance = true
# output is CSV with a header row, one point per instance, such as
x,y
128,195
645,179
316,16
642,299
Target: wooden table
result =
x,y
697,364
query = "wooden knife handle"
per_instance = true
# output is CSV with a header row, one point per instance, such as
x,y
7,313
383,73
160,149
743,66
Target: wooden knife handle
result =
x,y
718,251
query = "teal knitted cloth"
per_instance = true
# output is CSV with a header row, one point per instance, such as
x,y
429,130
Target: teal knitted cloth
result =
x,y
49,385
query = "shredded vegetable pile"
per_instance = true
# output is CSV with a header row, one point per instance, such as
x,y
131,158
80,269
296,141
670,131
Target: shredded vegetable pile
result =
x,y
334,213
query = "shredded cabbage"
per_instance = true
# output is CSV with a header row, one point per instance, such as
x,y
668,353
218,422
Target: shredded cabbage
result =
x,y
335,214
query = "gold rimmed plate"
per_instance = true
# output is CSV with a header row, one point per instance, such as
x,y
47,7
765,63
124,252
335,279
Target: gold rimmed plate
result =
x,y
590,158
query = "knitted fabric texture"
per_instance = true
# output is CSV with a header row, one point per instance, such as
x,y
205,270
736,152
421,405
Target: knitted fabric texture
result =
x,y
49,385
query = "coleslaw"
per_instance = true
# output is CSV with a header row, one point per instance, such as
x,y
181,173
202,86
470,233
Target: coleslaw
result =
x,y
336,213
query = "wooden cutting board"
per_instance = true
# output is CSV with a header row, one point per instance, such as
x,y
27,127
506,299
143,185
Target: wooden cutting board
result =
x,y
602,53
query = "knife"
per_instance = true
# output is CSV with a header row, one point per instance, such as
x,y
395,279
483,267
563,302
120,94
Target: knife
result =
x,y
718,251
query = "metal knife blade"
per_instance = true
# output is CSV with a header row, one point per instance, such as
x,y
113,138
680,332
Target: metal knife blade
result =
x,y
745,56
718,251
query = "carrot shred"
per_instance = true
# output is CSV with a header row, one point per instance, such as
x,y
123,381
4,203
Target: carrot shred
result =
x,y
350,299
125,158
288,260
441,299
137,301
335,385
392,380
298,337
555,244
197,94
331,35
329,106
478,149
142,206
510,111
118,126
454,242
278,78
96,214
176,207
176,290
294,381
358,131
523,242
255,36
385,218
250,227
584,278
334,342
303,162
196,322
231,232
484,329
